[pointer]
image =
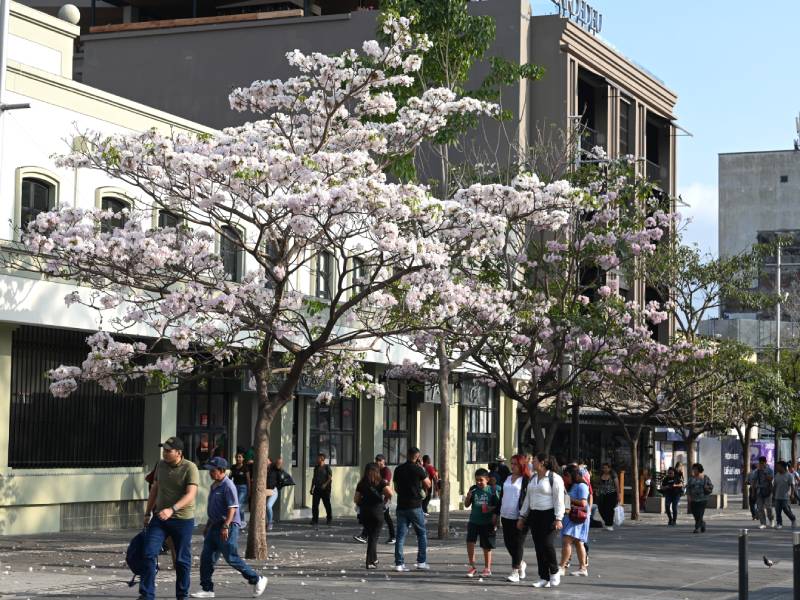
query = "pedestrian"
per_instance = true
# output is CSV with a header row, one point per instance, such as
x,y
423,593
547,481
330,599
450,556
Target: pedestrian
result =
x,y
482,525
240,475
761,480
672,489
543,510
221,533
386,475
321,481
607,489
502,470
372,494
410,483
796,478
276,479
783,486
752,493
512,495
433,476
170,513
575,531
698,489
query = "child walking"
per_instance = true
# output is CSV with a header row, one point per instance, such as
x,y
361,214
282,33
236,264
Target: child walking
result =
x,y
482,522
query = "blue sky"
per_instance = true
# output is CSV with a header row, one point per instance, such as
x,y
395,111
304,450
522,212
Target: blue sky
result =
x,y
735,68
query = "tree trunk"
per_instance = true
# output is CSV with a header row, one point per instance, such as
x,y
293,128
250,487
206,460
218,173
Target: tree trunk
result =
x,y
551,435
444,442
634,444
745,467
691,450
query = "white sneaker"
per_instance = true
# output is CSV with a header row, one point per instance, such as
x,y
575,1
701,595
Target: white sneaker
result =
x,y
523,566
580,573
555,579
778,526
401,568
762,526
609,528
561,571
422,566
202,594
542,583
261,585
514,577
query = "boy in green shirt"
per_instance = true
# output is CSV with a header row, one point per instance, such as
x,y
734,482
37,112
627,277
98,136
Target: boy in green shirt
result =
x,y
482,521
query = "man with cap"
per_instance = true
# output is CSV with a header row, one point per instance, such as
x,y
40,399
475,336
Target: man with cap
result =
x,y
170,513
222,532
502,469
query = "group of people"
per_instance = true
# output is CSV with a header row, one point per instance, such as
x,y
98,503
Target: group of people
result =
x,y
772,492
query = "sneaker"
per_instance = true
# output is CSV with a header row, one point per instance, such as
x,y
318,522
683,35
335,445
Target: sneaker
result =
x,y
261,585
580,573
359,539
555,579
471,571
401,568
269,527
422,566
203,594
563,570
514,577
778,526
523,566
760,527
373,565
542,583
608,528
391,541
486,572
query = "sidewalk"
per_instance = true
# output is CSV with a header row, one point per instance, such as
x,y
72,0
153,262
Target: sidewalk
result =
x,y
641,560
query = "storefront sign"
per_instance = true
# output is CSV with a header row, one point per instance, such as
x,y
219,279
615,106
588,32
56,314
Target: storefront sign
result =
x,y
582,13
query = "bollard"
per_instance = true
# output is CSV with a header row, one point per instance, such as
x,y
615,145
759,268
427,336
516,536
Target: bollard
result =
x,y
743,579
796,558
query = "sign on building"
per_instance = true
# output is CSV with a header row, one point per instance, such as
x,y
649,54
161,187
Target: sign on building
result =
x,y
582,13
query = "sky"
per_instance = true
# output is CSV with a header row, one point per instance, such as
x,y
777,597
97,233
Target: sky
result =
x,y
735,68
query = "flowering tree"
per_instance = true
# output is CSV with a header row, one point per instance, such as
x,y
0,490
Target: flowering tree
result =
x,y
299,195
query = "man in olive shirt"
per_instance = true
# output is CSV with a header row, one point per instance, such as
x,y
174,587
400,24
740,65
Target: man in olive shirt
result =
x,y
170,513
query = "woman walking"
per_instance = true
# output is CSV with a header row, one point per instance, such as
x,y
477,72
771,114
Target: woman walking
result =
x,y
576,523
542,511
240,475
276,479
607,490
513,493
372,493
698,489
672,488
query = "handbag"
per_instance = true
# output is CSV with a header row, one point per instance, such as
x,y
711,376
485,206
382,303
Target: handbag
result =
x,y
577,514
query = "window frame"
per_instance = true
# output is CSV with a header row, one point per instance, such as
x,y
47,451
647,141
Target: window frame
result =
x,y
336,407
112,193
37,173
486,417
324,274
157,218
394,410
236,277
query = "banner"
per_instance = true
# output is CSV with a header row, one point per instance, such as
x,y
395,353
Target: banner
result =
x,y
731,465
763,448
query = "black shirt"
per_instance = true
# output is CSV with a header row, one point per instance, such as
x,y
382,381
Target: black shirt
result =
x,y
319,480
239,474
408,479
668,483
371,496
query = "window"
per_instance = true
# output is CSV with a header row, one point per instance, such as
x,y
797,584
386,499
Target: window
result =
x,y
117,205
482,415
324,274
168,219
359,275
203,419
784,179
36,196
625,142
90,428
231,253
333,432
395,424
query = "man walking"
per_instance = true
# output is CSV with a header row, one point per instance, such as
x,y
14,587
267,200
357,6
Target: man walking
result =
x,y
411,482
170,513
783,485
321,490
221,535
761,480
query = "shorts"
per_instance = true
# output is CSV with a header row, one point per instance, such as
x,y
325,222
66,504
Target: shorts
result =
x,y
486,533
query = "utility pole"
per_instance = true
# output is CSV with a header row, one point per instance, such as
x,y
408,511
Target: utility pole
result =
x,y
778,339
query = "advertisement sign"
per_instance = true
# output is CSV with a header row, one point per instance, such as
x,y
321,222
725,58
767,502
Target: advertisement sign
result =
x,y
731,465
763,448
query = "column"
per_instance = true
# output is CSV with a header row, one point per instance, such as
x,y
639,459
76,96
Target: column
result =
x,y
6,332
160,422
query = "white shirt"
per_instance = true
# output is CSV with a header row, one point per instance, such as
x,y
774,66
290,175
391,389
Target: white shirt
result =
x,y
541,496
509,509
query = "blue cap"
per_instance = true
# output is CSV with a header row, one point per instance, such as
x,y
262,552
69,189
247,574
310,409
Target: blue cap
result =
x,y
216,462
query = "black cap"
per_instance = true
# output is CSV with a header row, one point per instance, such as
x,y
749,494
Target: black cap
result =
x,y
173,443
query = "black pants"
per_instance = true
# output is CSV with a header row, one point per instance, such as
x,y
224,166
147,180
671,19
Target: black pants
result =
x,y
387,517
671,504
606,505
372,520
325,496
698,511
543,532
427,500
514,539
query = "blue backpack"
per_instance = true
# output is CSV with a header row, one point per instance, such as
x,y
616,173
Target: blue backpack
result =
x,y
135,558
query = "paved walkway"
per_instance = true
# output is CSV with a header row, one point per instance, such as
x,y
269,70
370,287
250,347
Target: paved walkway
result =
x,y
644,560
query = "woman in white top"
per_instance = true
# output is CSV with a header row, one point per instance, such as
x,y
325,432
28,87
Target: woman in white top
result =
x,y
515,489
542,511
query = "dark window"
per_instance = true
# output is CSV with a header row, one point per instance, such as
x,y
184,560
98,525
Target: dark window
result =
x,y
625,142
37,196
90,428
784,179
395,424
359,275
295,425
482,414
324,274
168,219
333,432
203,419
117,205
231,253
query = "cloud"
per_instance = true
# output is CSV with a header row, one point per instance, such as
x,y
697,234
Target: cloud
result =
x,y
702,215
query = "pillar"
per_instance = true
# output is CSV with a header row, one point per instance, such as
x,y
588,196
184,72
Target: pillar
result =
x,y
160,422
6,332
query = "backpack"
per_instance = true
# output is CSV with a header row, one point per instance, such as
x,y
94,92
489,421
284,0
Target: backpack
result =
x,y
708,487
135,558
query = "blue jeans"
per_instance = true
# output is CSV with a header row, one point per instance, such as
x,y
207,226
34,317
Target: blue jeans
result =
x,y
213,546
271,500
241,490
180,530
671,502
411,517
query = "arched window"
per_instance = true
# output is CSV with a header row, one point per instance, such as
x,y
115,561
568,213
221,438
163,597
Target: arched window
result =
x,y
168,219
324,274
231,253
36,196
117,205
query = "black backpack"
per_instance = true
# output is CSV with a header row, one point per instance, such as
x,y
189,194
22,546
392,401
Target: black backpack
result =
x,y
135,558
